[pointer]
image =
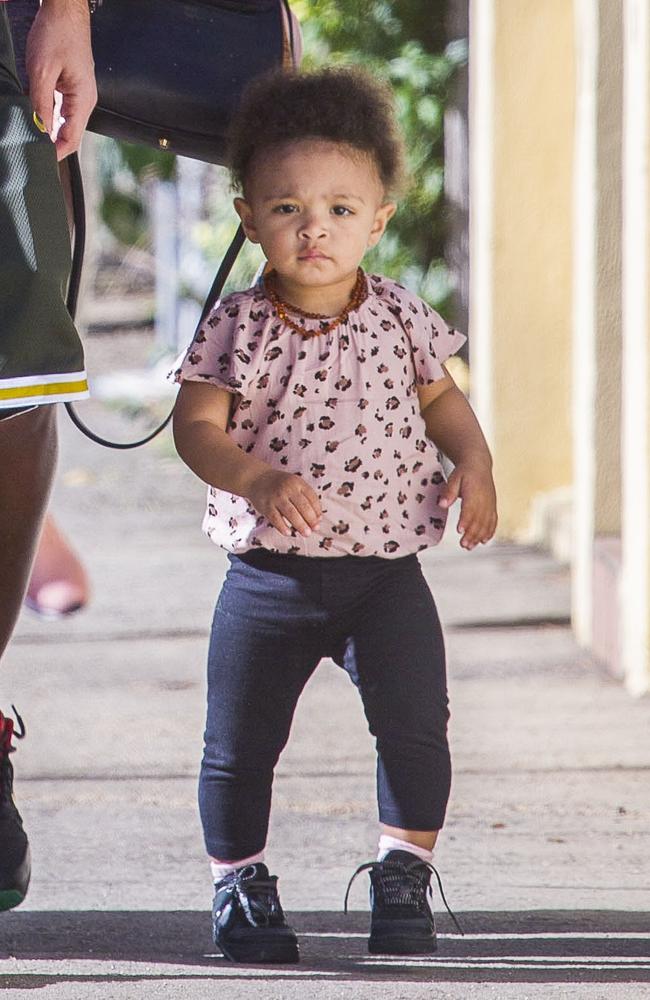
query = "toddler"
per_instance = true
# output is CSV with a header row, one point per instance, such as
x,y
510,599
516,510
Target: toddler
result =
x,y
315,406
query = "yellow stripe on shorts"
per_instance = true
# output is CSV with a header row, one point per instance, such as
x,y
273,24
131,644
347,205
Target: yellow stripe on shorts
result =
x,y
37,391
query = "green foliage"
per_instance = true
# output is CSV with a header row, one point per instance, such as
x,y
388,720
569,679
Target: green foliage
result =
x,y
124,215
145,162
405,44
123,170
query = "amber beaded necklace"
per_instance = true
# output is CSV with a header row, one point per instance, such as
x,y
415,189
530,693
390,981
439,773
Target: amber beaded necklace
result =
x,y
358,295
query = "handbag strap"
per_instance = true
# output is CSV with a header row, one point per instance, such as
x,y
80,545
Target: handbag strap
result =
x,y
79,214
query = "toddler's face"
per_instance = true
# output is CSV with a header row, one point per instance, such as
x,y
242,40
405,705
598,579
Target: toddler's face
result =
x,y
315,207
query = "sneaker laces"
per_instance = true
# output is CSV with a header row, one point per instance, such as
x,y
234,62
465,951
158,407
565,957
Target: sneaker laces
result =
x,y
393,873
266,902
7,731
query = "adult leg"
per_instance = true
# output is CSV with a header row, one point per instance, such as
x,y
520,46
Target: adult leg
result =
x,y
42,362
28,447
28,454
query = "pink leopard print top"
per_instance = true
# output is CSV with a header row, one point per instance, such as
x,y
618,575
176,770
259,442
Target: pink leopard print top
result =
x,y
340,409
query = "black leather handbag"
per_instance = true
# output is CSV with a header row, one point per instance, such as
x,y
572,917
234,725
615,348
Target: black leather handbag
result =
x,y
170,72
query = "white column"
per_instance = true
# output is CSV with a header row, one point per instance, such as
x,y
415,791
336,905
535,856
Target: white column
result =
x,y
584,327
636,331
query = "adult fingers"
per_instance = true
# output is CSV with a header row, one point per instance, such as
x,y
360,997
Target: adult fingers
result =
x,y
75,109
41,94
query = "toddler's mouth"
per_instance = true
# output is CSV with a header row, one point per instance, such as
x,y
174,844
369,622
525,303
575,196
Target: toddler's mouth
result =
x,y
312,255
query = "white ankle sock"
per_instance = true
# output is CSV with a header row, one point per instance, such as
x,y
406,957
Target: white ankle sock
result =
x,y
387,843
220,869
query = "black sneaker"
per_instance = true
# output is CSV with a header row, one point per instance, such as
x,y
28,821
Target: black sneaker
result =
x,y
247,919
15,864
402,920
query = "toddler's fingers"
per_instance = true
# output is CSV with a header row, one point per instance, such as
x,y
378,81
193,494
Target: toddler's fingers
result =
x,y
477,530
469,540
451,491
312,497
469,525
466,518
279,523
303,517
294,516
490,529
309,507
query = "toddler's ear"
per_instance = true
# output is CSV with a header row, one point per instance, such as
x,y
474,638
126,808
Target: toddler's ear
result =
x,y
245,213
383,214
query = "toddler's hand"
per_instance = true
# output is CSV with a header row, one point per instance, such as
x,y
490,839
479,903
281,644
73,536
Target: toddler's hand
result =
x,y
473,483
286,501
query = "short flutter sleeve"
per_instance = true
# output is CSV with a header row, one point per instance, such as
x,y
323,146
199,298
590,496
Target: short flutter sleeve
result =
x,y
228,346
432,339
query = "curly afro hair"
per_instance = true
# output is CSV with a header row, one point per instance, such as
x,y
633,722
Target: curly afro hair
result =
x,y
339,104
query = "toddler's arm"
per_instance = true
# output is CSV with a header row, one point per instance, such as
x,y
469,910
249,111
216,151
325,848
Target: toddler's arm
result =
x,y
200,420
451,423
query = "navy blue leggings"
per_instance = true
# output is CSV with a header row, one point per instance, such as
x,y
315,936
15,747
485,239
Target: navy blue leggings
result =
x,y
276,617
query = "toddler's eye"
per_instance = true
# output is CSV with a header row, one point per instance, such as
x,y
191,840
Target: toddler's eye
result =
x,y
285,209
342,210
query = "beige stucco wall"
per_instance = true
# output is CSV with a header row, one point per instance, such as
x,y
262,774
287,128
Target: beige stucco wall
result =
x,y
521,298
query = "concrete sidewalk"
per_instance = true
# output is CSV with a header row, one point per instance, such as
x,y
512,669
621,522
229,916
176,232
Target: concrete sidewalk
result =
x,y
546,853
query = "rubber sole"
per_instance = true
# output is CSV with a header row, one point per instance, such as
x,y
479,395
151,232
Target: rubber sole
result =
x,y
16,883
386,945
255,953
9,898
256,948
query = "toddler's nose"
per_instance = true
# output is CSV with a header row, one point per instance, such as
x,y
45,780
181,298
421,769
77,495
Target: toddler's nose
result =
x,y
312,227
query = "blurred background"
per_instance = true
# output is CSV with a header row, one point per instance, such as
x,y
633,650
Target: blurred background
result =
x,y
526,223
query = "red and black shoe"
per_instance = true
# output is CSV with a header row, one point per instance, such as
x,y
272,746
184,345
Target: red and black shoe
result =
x,y
15,862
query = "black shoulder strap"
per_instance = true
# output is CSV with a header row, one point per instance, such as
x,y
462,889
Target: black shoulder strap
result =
x,y
79,214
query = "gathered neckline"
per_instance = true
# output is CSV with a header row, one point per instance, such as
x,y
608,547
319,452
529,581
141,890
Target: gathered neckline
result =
x,y
319,317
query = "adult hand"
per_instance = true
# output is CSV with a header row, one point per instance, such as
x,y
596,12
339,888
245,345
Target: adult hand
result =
x,y
59,57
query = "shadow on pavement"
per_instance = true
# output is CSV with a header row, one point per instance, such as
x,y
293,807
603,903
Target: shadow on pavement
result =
x,y
534,946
